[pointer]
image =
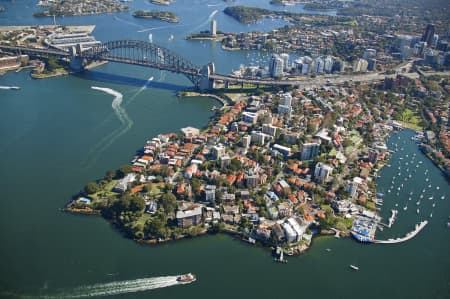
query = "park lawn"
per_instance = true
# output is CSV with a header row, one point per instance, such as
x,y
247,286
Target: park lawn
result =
x,y
410,120
156,189
332,153
105,192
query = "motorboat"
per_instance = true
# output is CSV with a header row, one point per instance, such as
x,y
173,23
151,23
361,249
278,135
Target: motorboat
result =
x,y
186,278
354,267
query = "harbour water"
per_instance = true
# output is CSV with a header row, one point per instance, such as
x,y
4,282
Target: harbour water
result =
x,y
57,134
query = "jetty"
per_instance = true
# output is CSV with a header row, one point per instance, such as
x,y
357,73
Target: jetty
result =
x,y
393,217
408,236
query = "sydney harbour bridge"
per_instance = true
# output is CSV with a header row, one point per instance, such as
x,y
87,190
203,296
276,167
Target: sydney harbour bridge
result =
x,y
142,53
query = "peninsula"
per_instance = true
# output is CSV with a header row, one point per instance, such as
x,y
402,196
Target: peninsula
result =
x,y
248,15
275,167
158,15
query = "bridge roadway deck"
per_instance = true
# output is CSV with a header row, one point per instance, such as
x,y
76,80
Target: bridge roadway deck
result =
x,y
156,65
34,50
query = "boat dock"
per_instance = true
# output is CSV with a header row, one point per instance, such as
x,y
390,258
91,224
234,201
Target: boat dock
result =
x,y
393,217
408,236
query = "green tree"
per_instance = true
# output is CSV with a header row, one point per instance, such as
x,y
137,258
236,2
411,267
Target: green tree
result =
x,y
52,64
137,204
168,202
109,175
124,170
91,188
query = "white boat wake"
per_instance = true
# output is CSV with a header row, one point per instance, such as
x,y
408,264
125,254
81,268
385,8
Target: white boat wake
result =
x,y
107,289
127,22
140,90
121,287
9,87
204,23
161,27
123,117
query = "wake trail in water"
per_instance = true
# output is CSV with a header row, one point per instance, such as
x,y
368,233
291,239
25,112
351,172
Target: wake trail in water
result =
x,y
121,115
204,23
161,27
127,22
108,289
9,87
140,90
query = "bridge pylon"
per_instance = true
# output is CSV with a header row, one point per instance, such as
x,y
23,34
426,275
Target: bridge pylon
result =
x,y
205,82
77,62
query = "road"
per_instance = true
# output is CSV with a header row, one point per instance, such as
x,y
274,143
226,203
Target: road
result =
x,y
331,80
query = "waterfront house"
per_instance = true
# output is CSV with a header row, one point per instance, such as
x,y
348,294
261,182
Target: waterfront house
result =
x,y
190,216
277,232
122,184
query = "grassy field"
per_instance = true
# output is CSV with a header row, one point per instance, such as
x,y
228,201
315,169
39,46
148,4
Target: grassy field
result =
x,y
409,119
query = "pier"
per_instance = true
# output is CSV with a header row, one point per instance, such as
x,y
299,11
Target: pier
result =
x,y
393,217
408,236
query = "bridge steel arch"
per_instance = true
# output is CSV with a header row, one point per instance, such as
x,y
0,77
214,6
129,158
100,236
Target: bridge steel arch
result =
x,y
144,53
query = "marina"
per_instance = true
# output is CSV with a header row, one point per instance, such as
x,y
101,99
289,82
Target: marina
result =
x,y
38,117
408,236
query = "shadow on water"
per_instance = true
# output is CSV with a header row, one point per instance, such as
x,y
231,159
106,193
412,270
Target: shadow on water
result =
x,y
125,80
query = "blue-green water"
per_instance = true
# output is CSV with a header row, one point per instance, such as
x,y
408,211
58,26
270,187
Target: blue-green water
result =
x,y
57,134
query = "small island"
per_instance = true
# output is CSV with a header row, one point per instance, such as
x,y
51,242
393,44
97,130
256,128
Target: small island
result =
x,y
166,16
77,8
161,2
249,15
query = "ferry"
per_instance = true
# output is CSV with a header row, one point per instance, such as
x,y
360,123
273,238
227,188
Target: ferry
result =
x,y
354,267
186,278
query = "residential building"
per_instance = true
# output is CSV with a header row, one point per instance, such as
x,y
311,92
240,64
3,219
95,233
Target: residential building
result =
x,y
289,232
269,130
286,151
322,172
285,58
192,216
122,184
217,151
210,193
310,150
276,66
428,34
258,137
250,117
251,180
